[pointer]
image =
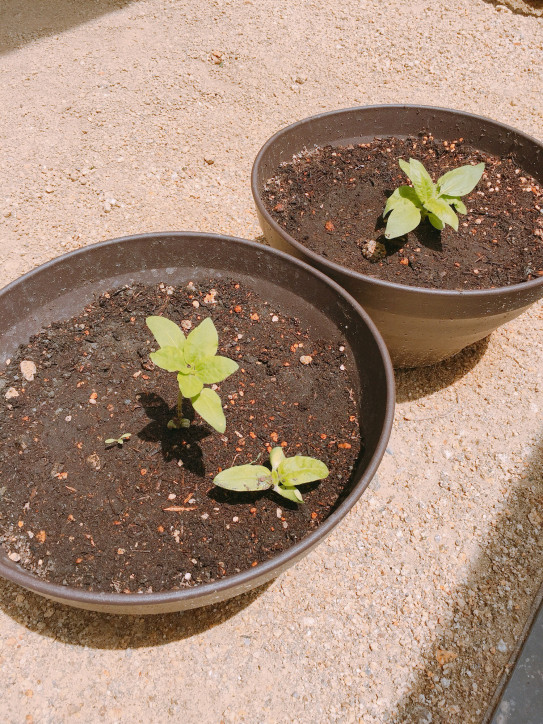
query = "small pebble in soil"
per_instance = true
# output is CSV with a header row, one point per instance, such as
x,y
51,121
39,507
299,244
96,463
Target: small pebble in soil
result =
x,y
28,369
11,393
373,250
306,359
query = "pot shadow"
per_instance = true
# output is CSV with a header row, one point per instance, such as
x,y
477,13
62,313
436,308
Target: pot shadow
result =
x,y
115,631
24,21
181,445
486,625
415,382
520,7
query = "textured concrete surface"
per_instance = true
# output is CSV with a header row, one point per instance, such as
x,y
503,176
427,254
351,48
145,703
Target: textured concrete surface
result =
x,y
522,698
119,117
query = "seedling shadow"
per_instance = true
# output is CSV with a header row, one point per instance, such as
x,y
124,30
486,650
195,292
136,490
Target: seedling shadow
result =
x,y
180,445
230,497
425,235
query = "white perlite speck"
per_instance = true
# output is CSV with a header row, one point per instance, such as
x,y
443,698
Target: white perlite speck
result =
x,y
28,369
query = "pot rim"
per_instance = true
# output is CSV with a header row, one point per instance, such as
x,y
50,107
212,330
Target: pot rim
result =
x,y
262,571
338,269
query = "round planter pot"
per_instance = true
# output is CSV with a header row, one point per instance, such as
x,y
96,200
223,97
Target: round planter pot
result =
x,y
420,326
61,288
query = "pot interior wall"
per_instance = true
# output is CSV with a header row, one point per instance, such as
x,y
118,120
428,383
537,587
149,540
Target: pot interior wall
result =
x,y
361,125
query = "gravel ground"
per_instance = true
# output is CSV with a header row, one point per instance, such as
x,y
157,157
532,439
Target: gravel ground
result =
x,y
121,117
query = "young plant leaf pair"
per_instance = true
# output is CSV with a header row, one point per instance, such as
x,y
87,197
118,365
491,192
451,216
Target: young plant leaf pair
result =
x,y
196,362
118,440
284,476
409,205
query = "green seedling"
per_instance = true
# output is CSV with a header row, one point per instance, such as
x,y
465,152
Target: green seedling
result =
x,y
409,205
284,476
118,440
196,362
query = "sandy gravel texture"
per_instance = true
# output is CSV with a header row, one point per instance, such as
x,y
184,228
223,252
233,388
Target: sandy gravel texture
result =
x,y
124,117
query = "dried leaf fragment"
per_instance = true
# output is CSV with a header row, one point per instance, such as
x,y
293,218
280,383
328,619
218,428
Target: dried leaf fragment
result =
x,y
179,508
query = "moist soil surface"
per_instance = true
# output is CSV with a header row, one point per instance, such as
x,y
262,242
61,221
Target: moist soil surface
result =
x,y
145,516
331,200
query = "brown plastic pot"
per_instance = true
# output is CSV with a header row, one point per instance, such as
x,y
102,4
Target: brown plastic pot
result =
x,y
420,326
59,289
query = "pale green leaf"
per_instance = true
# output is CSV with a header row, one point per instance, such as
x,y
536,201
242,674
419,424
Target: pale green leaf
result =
x,y
244,478
166,332
443,211
405,166
300,470
396,198
110,440
458,204
215,369
201,342
393,200
190,385
404,218
289,493
276,457
169,358
460,181
436,223
208,405
420,178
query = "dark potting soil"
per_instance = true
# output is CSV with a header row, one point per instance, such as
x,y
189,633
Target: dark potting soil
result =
x,y
331,200
145,515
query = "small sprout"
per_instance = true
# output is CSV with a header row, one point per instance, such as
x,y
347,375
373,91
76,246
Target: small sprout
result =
x,y
284,476
119,440
196,362
409,205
